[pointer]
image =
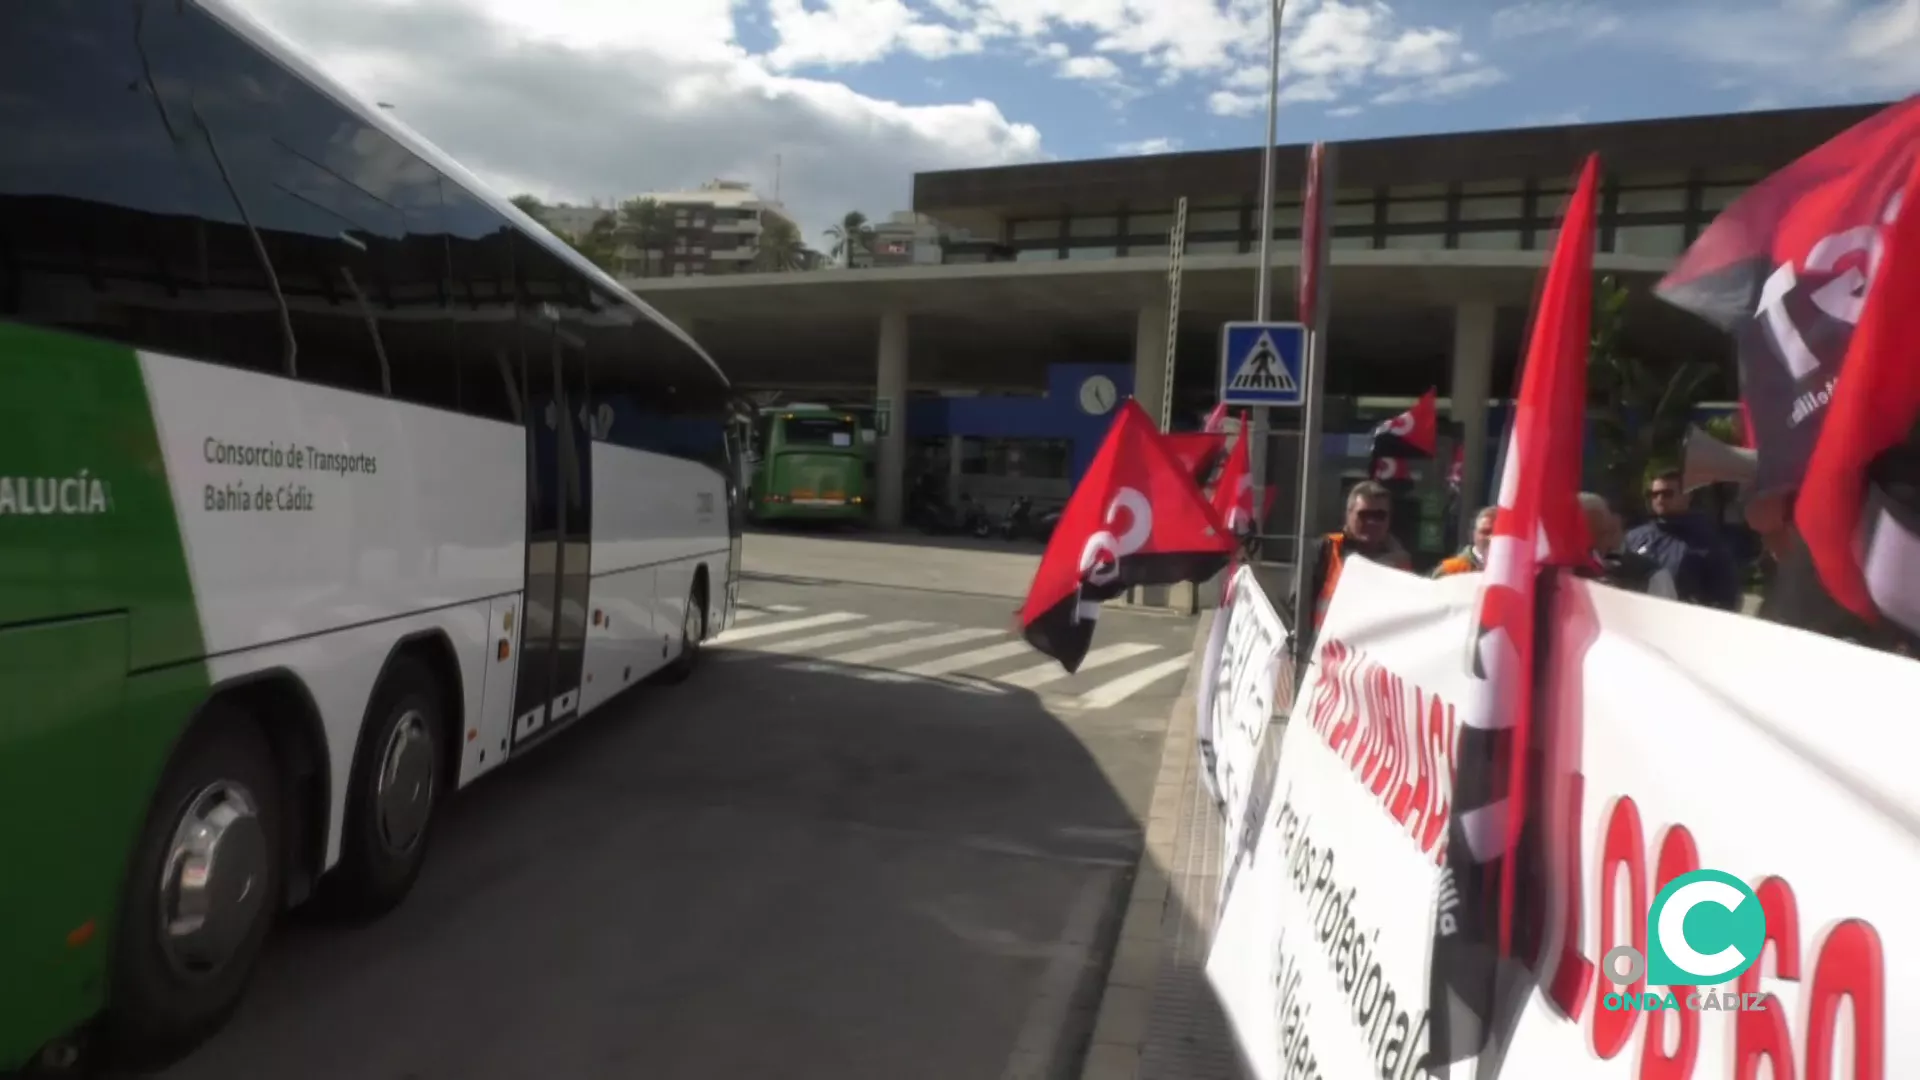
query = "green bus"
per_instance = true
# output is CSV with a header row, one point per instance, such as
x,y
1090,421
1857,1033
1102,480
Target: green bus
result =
x,y
330,483
810,463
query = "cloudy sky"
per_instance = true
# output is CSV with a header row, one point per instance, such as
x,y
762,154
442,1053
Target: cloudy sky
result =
x,y
570,99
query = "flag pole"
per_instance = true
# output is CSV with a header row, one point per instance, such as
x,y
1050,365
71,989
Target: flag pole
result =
x,y
1263,293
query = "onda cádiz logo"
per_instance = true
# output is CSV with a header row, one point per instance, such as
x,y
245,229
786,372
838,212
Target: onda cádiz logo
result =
x,y
1100,558
1703,930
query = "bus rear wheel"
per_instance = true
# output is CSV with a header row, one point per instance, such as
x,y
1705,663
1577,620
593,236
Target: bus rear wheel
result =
x,y
693,631
203,890
394,793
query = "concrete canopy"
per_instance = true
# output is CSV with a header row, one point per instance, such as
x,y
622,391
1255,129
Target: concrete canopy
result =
x,y
998,324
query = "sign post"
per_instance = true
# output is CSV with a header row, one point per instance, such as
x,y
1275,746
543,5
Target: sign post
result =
x,y
1314,307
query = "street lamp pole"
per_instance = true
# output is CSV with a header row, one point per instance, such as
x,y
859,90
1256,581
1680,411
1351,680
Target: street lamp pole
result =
x,y
1263,293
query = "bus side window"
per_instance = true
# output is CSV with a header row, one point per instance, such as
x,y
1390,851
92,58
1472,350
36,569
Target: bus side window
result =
x,y
483,359
114,219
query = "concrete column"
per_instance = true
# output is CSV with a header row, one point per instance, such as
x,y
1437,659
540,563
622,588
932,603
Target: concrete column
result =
x,y
956,444
1472,384
890,387
1150,358
1149,389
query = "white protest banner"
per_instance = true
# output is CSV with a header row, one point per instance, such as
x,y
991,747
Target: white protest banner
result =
x,y
1691,739
1203,691
1242,711
1320,958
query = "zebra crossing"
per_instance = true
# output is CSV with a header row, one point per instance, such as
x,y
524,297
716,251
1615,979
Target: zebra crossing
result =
x,y
979,660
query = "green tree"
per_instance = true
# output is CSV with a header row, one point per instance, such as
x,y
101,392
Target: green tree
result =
x,y
600,244
851,235
646,229
1643,409
530,206
780,246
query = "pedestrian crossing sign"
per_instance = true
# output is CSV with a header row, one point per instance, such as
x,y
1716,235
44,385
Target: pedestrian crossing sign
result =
x,y
1261,363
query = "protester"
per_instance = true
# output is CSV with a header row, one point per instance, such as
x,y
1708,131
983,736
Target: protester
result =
x,y
1472,558
1619,567
1368,533
1688,546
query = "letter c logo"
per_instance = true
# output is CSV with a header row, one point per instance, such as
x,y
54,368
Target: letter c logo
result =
x,y
1704,928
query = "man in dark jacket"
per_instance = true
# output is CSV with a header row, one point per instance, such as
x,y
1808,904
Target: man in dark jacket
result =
x,y
1687,546
1619,567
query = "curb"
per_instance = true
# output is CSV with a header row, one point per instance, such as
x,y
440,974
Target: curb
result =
x,y
1120,1027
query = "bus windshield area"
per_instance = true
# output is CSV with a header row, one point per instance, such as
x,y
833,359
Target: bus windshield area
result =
x,y
817,431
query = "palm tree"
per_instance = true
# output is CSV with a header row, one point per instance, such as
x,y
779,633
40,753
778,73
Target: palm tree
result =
x,y
780,246
853,233
645,227
600,244
1643,410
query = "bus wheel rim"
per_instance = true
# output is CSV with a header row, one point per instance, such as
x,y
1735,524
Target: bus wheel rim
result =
x,y
403,797
213,882
692,628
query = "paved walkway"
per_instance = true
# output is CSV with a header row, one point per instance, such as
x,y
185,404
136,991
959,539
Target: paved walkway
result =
x,y
1159,1019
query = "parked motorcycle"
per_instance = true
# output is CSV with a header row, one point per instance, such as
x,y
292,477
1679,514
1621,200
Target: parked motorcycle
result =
x,y
1023,522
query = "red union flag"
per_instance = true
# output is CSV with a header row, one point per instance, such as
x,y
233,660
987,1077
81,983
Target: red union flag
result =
x,y
1785,269
1136,518
1486,929
1857,505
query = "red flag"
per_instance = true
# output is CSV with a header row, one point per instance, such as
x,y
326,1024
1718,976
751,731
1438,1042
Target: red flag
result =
x,y
1859,533
1198,452
1216,420
1135,519
1411,434
1785,269
1233,496
1496,882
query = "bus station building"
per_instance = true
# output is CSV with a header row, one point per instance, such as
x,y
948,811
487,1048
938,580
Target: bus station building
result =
x,y
1053,274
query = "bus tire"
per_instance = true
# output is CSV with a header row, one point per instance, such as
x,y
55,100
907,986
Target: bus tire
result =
x,y
184,954
693,631
395,790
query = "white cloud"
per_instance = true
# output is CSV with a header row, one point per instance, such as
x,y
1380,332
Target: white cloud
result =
x,y
1338,49
1161,145
1091,68
1532,18
1818,47
858,32
571,99
1332,47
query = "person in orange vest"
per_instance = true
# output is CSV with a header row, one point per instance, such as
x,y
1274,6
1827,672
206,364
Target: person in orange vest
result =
x,y
1368,534
1473,557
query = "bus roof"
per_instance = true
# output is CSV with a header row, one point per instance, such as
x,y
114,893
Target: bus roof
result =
x,y
277,46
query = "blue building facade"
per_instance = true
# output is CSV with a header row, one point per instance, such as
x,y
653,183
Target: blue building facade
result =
x,y
1058,415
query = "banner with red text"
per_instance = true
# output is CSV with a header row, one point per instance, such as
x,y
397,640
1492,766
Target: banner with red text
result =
x,y
1683,739
1320,958
1693,739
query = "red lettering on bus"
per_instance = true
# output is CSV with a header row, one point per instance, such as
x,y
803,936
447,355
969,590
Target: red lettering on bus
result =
x,y
1852,967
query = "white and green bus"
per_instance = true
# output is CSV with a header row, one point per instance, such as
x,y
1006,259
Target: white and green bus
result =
x,y
329,482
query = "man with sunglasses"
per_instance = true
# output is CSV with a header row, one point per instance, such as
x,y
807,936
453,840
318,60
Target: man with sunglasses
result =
x,y
1367,533
1687,546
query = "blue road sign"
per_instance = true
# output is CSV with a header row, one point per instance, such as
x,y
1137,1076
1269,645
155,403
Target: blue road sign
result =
x,y
1262,363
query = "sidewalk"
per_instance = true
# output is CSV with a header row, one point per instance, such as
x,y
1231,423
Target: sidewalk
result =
x,y
1158,1017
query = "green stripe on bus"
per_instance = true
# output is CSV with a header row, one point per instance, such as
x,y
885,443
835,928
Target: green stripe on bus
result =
x,y
94,583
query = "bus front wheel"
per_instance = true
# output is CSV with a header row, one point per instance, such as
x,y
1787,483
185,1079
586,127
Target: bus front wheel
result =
x,y
203,891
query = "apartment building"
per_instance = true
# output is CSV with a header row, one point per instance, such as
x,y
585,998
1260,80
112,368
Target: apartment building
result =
x,y
714,229
904,239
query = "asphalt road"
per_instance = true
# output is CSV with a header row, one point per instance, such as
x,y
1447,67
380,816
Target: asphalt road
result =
x,y
847,858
